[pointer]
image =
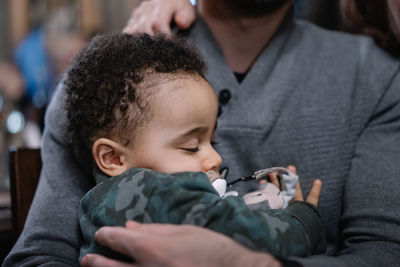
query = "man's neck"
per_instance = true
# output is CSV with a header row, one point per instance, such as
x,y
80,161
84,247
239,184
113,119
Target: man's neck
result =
x,y
241,39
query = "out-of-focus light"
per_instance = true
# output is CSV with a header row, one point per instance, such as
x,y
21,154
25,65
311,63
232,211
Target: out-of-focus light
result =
x,y
15,122
1,103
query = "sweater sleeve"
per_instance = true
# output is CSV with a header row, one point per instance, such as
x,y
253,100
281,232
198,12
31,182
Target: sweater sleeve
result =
x,y
189,198
51,234
370,221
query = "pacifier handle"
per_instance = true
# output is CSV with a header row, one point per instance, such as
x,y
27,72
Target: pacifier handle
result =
x,y
259,174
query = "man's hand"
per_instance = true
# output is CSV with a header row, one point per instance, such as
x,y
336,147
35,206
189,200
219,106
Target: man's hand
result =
x,y
173,245
156,16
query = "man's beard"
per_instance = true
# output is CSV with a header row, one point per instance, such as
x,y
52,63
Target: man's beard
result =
x,y
256,7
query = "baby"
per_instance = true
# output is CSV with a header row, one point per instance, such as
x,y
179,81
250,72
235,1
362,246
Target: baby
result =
x,y
142,116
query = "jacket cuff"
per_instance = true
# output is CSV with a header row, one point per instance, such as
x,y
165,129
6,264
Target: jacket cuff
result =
x,y
309,216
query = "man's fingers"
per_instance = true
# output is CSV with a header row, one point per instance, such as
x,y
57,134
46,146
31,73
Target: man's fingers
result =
x,y
119,239
181,12
138,26
313,196
95,260
134,21
161,19
141,19
185,17
156,16
154,228
133,225
161,27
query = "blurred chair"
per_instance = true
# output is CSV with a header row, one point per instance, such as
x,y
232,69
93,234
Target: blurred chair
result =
x,y
25,166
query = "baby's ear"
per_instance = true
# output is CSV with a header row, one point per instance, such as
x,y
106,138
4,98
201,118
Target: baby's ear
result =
x,y
109,156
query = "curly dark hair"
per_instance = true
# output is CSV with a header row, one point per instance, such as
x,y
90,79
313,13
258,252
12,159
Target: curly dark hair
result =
x,y
106,82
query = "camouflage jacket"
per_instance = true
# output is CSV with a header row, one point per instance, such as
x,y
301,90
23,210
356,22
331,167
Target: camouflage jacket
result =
x,y
188,198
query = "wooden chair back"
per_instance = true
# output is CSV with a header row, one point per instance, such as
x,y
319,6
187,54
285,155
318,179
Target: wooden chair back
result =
x,y
25,167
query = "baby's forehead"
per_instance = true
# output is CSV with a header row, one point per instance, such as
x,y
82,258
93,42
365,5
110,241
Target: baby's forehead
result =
x,y
176,101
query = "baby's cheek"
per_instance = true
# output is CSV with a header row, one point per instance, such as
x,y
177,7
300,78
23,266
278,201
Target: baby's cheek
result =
x,y
177,163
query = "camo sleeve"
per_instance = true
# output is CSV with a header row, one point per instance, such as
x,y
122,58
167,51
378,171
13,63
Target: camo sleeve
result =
x,y
188,198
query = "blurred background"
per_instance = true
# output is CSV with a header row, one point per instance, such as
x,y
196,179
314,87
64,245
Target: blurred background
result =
x,y
38,40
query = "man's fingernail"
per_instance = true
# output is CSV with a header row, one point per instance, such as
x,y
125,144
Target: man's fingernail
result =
x,y
84,261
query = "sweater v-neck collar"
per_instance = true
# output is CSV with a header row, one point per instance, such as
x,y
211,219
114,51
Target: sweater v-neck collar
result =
x,y
218,68
265,85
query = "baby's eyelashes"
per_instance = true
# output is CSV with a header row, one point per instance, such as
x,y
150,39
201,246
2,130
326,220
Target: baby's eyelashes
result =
x,y
191,149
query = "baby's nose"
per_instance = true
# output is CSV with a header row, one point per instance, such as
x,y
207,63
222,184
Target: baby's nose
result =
x,y
212,162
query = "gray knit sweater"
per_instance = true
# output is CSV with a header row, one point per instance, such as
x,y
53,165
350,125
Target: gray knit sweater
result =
x,y
324,101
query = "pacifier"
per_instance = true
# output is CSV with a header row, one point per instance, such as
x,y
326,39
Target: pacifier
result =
x,y
218,181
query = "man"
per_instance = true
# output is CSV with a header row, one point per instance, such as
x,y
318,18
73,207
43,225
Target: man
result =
x,y
290,93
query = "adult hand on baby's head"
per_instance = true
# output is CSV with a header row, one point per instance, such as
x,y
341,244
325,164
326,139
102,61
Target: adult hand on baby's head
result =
x,y
156,16
173,245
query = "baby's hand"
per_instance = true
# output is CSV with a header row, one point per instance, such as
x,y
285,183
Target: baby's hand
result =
x,y
313,196
285,182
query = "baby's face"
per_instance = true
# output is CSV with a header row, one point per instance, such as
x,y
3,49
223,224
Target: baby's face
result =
x,y
178,135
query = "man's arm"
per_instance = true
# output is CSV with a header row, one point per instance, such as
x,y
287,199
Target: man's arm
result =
x,y
51,234
371,205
